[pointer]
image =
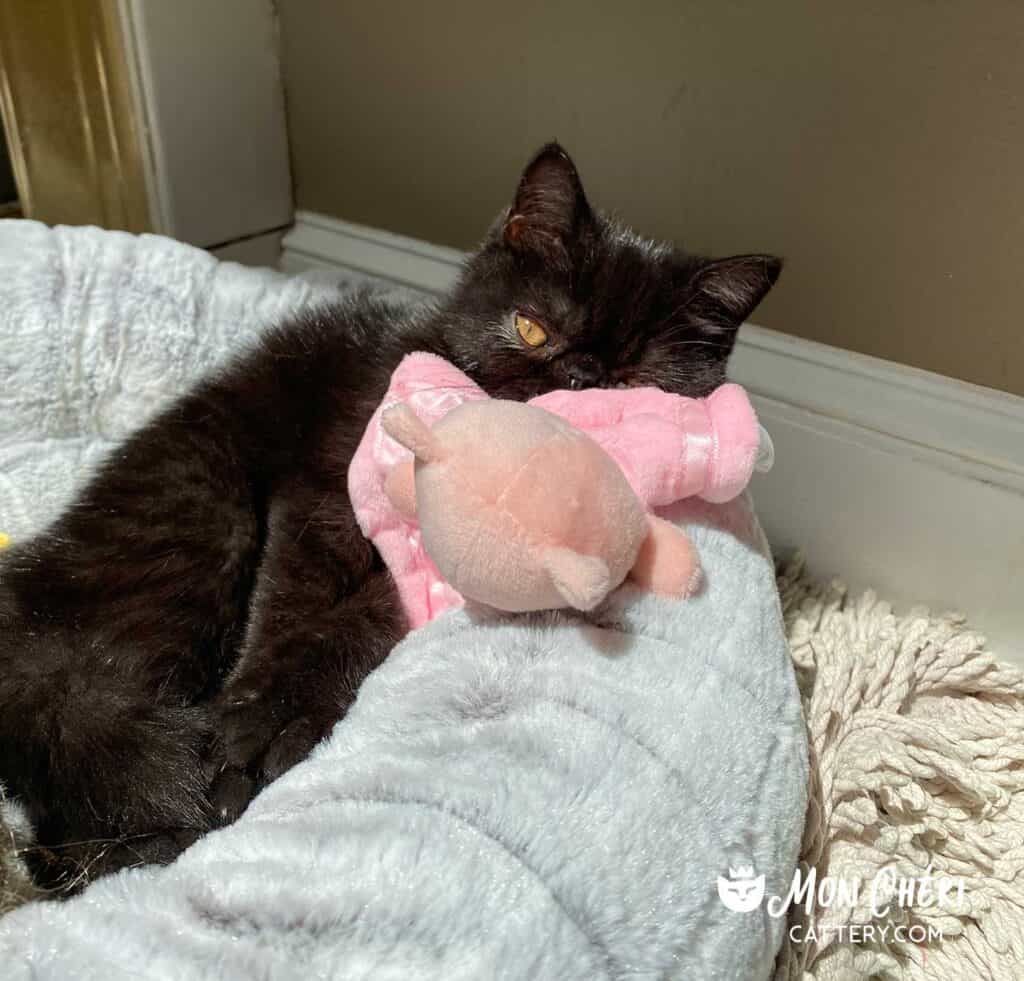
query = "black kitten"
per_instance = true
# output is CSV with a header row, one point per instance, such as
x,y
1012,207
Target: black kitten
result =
x,y
206,610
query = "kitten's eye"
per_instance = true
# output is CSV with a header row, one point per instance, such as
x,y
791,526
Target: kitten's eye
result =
x,y
530,331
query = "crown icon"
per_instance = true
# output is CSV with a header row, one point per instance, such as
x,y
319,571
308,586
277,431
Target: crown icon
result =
x,y
743,872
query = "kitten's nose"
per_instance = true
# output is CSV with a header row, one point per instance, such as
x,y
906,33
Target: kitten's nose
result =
x,y
583,370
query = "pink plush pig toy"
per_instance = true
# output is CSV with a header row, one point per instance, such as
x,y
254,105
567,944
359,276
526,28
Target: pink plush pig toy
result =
x,y
522,511
667,448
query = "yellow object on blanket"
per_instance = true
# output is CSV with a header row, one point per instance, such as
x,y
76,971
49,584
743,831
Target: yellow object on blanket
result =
x,y
5,540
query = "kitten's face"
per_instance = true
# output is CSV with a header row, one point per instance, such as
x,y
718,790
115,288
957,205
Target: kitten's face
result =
x,y
562,297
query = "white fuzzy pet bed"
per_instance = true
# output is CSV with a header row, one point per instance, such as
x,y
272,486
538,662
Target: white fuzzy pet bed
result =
x,y
551,796
916,732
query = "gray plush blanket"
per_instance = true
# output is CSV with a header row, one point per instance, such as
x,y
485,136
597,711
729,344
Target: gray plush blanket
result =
x,y
550,796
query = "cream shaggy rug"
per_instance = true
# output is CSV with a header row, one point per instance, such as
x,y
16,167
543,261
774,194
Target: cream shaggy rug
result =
x,y
917,767
917,752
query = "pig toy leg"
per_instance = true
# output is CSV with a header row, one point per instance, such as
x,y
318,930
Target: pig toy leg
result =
x,y
667,563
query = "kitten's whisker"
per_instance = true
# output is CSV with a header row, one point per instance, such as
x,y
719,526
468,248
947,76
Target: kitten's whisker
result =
x,y
720,345
27,849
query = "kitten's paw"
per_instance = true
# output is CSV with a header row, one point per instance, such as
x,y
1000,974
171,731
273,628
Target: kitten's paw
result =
x,y
65,870
292,746
256,737
159,848
230,793
248,724
229,788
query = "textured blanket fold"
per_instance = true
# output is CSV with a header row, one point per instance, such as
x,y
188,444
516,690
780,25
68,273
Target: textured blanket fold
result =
x,y
551,796
521,798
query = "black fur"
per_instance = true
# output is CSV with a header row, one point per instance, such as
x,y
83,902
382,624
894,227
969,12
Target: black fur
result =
x,y
207,608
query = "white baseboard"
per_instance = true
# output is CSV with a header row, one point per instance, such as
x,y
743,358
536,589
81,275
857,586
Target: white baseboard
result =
x,y
257,250
886,476
317,240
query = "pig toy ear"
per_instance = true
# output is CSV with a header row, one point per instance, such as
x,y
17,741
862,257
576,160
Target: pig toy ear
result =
x,y
407,428
581,580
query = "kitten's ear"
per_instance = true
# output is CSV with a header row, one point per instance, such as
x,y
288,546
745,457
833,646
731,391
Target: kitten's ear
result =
x,y
549,207
727,291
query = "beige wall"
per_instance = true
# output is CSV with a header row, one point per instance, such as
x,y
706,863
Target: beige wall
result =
x,y
878,146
